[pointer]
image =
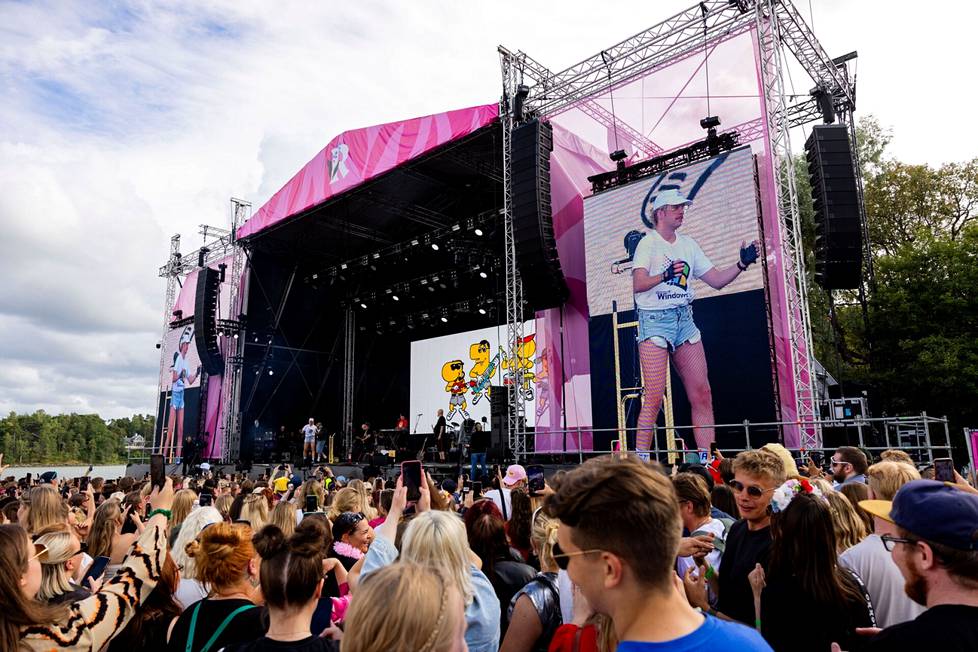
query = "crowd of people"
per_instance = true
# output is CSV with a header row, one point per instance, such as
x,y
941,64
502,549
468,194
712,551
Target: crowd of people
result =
x,y
758,552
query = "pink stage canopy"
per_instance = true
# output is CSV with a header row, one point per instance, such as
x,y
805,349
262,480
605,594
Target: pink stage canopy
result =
x,y
362,154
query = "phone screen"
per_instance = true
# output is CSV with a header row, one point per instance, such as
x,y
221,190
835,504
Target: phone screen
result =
x,y
96,569
206,500
411,478
534,478
157,474
476,489
83,483
312,503
713,449
944,469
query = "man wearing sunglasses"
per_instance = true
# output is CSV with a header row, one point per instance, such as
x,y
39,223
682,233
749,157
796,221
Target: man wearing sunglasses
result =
x,y
757,473
849,464
935,547
618,541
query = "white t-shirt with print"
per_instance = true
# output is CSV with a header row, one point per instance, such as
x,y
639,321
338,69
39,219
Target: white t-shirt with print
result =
x,y
309,432
182,370
656,255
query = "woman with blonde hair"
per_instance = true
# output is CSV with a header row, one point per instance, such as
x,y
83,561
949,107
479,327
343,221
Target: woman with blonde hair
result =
x,y
42,507
228,565
255,510
223,504
534,612
183,504
366,498
849,528
59,564
432,540
427,612
105,539
311,487
284,516
189,587
86,625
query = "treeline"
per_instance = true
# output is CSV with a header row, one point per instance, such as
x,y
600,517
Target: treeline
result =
x,y
914,347
42,438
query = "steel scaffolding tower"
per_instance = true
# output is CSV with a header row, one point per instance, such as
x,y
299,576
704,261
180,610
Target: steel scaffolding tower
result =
x,y
779,28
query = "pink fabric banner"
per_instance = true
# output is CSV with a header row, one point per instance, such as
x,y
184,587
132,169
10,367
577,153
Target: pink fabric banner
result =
x,y
565,397
361,154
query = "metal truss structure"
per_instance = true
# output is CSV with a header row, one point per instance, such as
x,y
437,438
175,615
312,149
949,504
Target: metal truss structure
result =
x,y
780,30
224,244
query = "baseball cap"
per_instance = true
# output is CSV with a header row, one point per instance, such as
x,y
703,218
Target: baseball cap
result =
x,y
932,510
341,479
514,473
49,476
205,466
669,197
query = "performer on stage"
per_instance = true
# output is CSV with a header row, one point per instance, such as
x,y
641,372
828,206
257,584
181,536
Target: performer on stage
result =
x,y
664,264
402,423
440,436
309,440
182,378
362,444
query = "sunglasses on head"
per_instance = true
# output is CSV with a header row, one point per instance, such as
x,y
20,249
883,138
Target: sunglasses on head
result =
x,y
753,490
347,519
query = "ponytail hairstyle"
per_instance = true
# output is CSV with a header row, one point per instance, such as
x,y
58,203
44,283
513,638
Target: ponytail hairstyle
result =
x,y
543,536
189,531
292,567
222,555
18,610
60,542
108,517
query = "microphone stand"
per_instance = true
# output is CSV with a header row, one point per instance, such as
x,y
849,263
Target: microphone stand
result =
x,y
417,421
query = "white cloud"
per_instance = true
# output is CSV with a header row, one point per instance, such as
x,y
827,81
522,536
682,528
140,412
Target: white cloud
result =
x,y
123,123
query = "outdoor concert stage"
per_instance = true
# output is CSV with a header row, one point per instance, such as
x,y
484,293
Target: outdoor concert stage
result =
x,y
413,266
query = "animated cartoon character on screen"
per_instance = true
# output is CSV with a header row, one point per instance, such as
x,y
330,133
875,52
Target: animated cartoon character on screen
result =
x,y
182,378
543,384
479,354
664,263
453,373
525,350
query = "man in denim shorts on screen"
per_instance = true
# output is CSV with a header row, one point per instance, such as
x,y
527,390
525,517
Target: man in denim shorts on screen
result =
x,y
664,265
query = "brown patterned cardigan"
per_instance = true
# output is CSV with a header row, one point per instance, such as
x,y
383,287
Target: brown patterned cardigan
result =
x,y
91,623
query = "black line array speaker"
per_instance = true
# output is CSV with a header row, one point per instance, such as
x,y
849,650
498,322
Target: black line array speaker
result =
x,y
838,231
205,321
536,247
500,396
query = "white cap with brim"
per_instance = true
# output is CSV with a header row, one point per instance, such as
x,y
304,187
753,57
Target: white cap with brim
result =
x,y
669,197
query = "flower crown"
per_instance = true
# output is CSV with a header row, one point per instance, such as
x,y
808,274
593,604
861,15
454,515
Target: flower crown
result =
x,y
784,494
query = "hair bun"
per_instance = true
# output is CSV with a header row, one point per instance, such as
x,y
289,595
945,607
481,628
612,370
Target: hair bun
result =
x,y
270,541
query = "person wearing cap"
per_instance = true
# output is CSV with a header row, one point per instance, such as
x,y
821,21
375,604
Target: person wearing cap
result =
x,y
664,264
309,440
871,561
49,477
181,378
515,478
935,546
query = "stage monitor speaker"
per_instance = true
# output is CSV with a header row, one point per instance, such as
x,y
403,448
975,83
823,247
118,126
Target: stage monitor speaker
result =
x,y
205,321
838,228
536,247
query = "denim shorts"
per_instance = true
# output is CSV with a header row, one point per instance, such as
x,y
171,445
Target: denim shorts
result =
x,y
176,400
673,325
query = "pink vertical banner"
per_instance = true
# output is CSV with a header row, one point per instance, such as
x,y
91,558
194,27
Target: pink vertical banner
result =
x,y
973,440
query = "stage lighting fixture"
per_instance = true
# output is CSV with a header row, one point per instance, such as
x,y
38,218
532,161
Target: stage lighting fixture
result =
x,y
431,288
315,276
456,227
363,305
444,319
483,275
395,297
159,345
478,232
271,372
235,336
618,155
482,311
343,266
710,122
414,243
376,255
434,245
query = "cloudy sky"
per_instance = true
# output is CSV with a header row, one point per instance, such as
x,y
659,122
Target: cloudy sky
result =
x,y
122,123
